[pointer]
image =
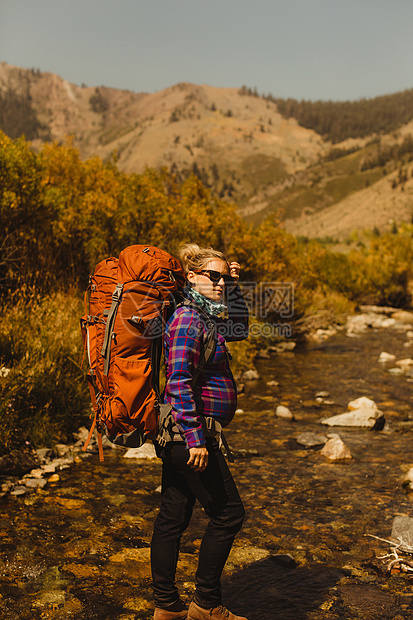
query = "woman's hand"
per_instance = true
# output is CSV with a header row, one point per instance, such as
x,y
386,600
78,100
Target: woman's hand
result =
x,y
198,458
234,269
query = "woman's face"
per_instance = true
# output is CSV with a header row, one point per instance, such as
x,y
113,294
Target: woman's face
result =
x,y
202,282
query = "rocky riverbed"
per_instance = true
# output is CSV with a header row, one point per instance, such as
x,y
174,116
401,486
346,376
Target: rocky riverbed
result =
x,y
77,546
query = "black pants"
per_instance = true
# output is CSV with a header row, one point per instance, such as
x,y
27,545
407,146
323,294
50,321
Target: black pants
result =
x,y
218,494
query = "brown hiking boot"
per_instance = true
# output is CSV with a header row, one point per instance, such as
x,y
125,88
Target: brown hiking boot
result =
x,y
196,612
177,611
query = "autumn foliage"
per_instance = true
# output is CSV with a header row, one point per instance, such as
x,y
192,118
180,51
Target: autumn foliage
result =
x,y
60,215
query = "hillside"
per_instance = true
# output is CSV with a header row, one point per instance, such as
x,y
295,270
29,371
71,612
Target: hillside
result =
x,y
233,142
236,142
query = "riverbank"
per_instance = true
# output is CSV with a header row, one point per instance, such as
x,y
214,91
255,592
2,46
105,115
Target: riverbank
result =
x,y
79,546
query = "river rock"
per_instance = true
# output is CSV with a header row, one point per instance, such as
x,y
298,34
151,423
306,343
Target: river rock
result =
x,y
323,334
273,383
402,532
396,371
403,316
284,412
385,357
365,417
361,403
282,347
322,394
408,479
19,490
405,364
35,473
61,449
147,451
360,322
335,449
309,440
250,375
369,308
43,453
35,483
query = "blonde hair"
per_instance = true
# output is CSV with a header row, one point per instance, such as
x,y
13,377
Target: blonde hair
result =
x,y
194,258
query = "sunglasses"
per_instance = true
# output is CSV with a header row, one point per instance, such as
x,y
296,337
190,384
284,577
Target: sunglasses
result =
x,y
215,276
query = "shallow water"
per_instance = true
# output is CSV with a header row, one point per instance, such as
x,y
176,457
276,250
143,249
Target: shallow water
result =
x,y
80,548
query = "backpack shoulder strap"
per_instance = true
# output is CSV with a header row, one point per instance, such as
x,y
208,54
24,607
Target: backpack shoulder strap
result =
x,y
209,342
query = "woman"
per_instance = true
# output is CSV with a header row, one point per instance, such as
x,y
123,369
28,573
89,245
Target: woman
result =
x,y
194,466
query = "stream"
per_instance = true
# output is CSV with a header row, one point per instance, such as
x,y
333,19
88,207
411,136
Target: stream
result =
x,y
79,547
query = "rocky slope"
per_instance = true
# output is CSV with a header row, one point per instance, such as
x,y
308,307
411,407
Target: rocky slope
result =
x,y
237,143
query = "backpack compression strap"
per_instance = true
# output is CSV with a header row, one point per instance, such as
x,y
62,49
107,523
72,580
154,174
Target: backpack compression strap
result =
x,y
117,293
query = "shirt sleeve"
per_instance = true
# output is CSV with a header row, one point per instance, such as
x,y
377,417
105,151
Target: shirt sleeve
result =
x,y
235,327
185,340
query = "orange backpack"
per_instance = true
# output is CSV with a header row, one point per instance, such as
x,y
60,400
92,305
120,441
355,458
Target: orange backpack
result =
x,y
130,299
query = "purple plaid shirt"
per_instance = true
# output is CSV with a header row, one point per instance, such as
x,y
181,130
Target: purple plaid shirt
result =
x,y
215,391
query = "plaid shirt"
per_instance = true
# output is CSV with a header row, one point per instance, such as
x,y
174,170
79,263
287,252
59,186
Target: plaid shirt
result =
x,y
215,391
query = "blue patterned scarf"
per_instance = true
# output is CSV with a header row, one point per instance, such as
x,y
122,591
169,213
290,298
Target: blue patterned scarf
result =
x,y
214,308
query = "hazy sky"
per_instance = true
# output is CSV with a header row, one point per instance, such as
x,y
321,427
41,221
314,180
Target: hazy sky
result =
x,y
310,49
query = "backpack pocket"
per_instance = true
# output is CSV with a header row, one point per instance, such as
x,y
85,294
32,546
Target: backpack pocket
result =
x,y
134,400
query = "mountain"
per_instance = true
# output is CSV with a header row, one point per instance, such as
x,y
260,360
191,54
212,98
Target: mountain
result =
x,y
241,139
237,142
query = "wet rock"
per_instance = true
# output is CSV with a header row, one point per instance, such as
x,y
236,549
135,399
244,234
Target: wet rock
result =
x,y
136,555
310,440
250,375
385,357
361,403
245,453
147,451
322,394
284,412
402,532
273,383
365,417
335,449
53,598
239,411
